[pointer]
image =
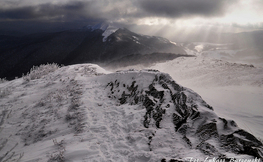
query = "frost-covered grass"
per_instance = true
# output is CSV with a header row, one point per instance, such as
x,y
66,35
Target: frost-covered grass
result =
x,y
40,107
10,155
37,72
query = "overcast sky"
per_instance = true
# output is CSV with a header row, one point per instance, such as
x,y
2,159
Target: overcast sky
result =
x,y
162,17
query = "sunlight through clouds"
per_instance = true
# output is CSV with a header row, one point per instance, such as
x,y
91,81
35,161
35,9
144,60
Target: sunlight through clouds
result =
x,y
241,16
168,18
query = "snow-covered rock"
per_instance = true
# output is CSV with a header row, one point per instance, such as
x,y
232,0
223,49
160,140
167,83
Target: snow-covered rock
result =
x,y
234,90
84,113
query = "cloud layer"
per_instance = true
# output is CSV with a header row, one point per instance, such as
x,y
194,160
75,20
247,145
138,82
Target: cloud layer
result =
x,y
48,11
111,9
130,12
179,8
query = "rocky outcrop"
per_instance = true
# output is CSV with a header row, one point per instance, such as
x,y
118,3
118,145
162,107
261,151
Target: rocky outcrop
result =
x,y
199,127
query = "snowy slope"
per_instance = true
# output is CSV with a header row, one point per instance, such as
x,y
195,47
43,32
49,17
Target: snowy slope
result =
x,y
77,113
107,29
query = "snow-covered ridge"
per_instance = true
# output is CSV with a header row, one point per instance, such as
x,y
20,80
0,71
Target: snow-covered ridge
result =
x,y
239,86
84,113
108,29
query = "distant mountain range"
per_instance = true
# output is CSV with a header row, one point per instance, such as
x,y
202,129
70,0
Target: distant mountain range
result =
x,y
101,43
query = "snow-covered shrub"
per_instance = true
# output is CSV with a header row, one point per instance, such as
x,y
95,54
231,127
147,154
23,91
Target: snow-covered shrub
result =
x,y
5,92
37,72
60,144
2,80
58,155
71,116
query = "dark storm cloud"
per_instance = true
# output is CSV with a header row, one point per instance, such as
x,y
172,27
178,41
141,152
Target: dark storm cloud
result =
x,y
116,9
182,8
126,12
69,11
29,18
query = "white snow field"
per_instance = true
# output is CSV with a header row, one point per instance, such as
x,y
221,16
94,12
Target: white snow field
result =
x,y
243,55
84,113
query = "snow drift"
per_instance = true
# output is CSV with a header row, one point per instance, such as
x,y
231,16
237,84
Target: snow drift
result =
x,y
84,113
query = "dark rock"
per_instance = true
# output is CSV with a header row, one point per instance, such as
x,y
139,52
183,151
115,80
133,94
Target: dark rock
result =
x,y
173,160
207,149
242,142
207,131
187,141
